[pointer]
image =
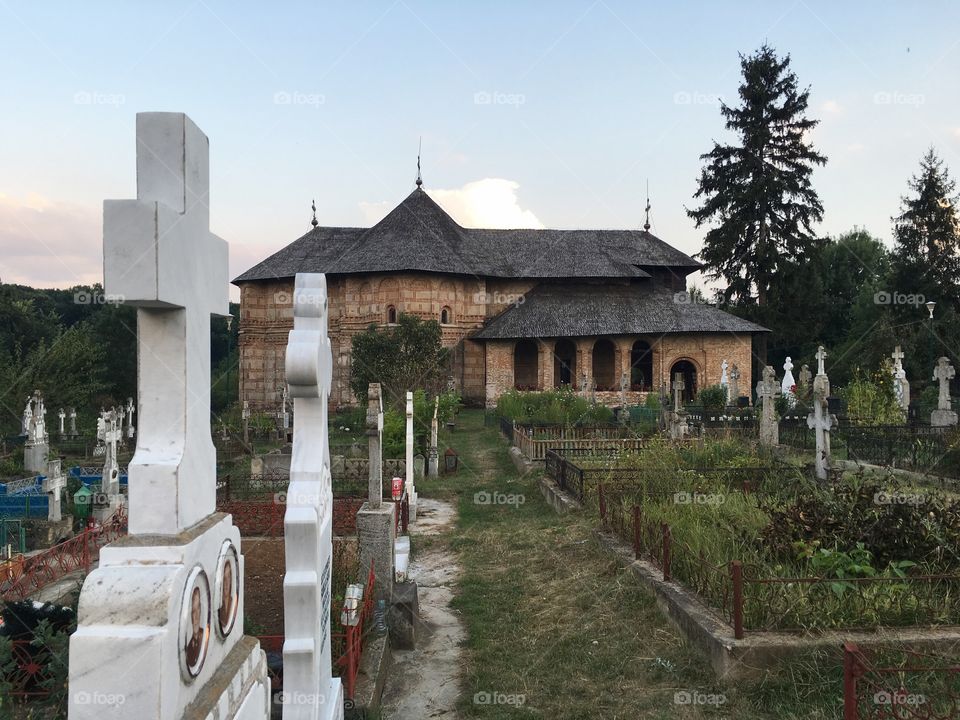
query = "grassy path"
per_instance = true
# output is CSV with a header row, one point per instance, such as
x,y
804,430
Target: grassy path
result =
x,y
555,628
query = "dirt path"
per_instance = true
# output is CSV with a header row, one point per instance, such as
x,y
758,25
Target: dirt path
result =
x,y
425,682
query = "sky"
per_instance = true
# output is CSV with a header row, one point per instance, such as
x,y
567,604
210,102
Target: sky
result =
x,y
530,114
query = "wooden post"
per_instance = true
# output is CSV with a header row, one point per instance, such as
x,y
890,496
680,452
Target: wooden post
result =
x,y
736,571
849,681
665,530
636,531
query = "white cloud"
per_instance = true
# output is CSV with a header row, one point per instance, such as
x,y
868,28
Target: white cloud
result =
x,y
487,203
831,107
374,212
47,243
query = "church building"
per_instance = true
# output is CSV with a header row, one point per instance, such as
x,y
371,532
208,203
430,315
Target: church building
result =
x,y
530,309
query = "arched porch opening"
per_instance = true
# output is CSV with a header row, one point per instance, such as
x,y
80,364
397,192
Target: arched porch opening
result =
x,y
604,361
641,366
526,356
689,372
564,363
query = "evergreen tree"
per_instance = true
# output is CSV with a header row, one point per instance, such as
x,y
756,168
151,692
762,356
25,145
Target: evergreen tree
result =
x,y
758,190
926,260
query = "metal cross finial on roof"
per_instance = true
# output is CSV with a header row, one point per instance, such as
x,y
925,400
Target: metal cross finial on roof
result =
x,y
419,178
646,222
313,206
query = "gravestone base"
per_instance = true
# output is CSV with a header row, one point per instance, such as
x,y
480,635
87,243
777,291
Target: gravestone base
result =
x,y
376,534
943,418
769,434
404,615
47,533
35,458
129,627
104,512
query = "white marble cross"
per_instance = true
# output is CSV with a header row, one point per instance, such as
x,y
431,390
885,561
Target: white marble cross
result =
x,y
678,387
54,483
897,356
821,359
409,484
786,385
374,445
160,256
312,692
63,416
27,416
131,409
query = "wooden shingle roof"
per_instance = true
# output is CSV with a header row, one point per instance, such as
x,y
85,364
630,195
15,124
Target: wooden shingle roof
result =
x,y
583,310
418,235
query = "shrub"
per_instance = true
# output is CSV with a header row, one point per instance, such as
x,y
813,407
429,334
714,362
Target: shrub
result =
x,y
713,397
872,400
552,407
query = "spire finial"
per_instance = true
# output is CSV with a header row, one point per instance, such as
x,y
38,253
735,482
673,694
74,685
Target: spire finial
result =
x,y
313,206
419,148
646,222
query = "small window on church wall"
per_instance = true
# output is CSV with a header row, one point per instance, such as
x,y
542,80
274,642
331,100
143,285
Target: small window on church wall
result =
x,y
446,316
391,315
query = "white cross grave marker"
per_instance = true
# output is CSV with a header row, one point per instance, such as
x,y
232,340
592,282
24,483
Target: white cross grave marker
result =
x,y
312,692
160,620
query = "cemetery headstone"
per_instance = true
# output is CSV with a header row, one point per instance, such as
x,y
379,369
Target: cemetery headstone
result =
x,y
788,383
54,483
131,409
734,392
311,692
677,419
725,381
944,415
37,447
433,464
767,391
108,500
806,377
820,420
27,421
408,456
419,466
160,618
901,386
62,416
73,422
376,520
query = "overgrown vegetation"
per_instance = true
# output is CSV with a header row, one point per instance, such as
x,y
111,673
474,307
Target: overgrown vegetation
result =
x,y
551,407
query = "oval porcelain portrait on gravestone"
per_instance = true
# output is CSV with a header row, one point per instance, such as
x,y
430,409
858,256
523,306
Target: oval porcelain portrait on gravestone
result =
x,y
194,623
227,590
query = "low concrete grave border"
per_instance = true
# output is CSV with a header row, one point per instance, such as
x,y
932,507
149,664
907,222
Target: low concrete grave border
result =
x,y
734,660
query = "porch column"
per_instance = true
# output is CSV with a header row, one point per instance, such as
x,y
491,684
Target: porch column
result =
x,y
545,364
584,360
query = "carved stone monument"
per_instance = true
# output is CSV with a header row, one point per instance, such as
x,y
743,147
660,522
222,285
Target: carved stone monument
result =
x,y
54,483
376,520
677,419
108,500
433,461
944,415
131,409
725,381
820,420
408,445
62,416
901,386
73,423
310,690
788,383
734,392
37,447
767,391
160,621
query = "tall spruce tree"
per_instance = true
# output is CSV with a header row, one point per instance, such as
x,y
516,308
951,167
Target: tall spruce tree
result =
x,y
758,190
926,253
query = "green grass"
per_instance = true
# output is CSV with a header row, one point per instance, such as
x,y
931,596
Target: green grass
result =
x,y
551,616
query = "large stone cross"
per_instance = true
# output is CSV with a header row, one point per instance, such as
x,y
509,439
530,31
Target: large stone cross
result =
x,y
160,256
821,360
767,391
313,694
944,372
678,387
374,445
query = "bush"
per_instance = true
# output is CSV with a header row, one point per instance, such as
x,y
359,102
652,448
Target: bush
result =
x,y
713,397
872,400
552,407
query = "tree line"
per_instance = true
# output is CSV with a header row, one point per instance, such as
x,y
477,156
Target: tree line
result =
x,y
850,293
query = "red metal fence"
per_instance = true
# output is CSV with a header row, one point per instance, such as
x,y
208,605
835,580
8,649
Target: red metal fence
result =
x,y
22,577
750,601
351,641
920,686
30,676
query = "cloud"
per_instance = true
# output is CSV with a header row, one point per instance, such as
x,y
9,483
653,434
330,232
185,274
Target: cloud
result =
x,y
831,107
487,203
374,212
48,243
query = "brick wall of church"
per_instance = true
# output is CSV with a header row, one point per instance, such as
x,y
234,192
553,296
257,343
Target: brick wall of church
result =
x,y
705,350
480,372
